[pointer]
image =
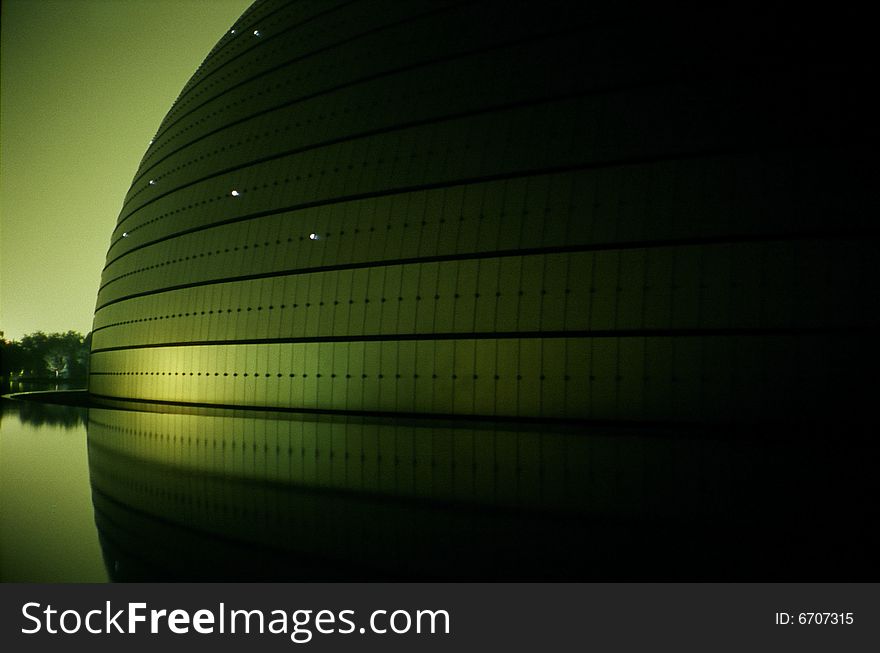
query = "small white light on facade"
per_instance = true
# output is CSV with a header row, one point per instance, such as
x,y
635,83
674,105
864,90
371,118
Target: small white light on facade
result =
x,y
232,31
152,182
256,32
125,234
314,237
235,193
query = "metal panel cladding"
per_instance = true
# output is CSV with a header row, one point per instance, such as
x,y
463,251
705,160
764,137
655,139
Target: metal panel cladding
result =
x,y
517,209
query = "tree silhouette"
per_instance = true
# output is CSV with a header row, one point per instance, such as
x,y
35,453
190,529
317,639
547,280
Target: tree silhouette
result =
x,y
41,355
56,361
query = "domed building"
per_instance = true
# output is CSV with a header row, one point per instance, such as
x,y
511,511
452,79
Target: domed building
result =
x,y
497,210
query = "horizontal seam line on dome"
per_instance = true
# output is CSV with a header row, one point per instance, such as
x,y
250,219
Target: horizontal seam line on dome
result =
x,y
399,127
251,19
509,335
389,192
503,418
164,128
338,87
505,253
536,251
415,419
176,120
465,114
314,52
224,43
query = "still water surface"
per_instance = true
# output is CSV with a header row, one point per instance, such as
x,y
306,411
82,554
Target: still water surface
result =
x,y
47,523
140,493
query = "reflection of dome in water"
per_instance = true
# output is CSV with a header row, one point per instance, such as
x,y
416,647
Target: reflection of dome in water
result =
x,y
498,209
211,494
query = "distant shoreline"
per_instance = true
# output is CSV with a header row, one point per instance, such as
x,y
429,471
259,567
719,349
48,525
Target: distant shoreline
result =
x,y
77,397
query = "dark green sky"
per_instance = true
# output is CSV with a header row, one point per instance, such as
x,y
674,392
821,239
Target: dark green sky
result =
x,y
85,84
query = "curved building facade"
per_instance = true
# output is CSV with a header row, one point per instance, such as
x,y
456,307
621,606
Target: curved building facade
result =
x,y
494,209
